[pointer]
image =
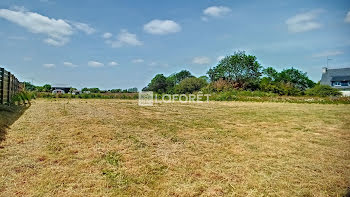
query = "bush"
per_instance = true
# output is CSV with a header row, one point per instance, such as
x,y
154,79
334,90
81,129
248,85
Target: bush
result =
x,y
22,97
281,88
190,85
323,91
222,85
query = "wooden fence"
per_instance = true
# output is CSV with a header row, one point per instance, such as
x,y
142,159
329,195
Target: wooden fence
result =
x,y
9,86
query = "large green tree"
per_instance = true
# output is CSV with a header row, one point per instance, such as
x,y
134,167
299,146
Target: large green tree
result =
x,y
47,88
158,84
287,82
242,69
28,86
292,76
176,78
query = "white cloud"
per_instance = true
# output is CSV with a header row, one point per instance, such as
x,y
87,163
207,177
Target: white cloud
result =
x,y
347,17
220,58
162,27
95,64
304,22
58,31
83,27
55,42
69,64
136,61
107,35
125,38
49,65
327,54
201,60
216,11
113,63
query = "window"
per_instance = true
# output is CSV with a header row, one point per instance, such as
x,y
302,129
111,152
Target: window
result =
x,y
336,83
344,83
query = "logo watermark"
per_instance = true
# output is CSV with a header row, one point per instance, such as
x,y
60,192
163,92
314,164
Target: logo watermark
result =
x,y
148,98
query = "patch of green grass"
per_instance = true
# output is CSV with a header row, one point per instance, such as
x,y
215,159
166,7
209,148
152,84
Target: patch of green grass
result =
x,y
113,158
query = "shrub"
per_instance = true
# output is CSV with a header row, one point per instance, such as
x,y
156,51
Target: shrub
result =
x,y
190,85
222,85
281,88
323,91
22,97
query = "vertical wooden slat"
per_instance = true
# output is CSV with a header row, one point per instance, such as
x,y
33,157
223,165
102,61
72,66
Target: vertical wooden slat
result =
x,y
9,88
2,72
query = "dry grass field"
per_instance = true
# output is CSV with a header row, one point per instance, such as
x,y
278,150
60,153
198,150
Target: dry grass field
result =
x,y
117,148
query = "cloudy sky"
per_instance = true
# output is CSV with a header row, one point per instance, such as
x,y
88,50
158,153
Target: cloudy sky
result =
x,y
122,44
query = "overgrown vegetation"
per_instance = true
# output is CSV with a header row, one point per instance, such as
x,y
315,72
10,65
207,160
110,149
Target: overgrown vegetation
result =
x,y
323,91
48,88
181,82
89,96
241,72
290,82
22,97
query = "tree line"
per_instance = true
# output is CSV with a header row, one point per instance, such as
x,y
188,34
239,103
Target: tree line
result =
x,y
241,71
48,88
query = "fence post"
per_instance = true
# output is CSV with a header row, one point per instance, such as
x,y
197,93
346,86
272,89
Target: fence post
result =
x,y
2,72
9,88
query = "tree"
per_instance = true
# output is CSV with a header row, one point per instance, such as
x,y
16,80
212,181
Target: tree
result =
x,y
158,84
28,86
205,78
190,85
175,79
184,74
116,90
132,90
270,73
47,88
287,82
296,77
241,69
92,90
39,88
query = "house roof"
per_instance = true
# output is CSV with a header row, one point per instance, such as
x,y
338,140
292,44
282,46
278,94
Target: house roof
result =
x,y
60,87
341,78
330,74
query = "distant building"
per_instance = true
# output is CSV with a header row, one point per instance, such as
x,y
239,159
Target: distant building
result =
x,y
60,90
337,78
76,92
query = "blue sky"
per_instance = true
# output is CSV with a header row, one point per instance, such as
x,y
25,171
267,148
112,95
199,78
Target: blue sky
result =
x,y
122,44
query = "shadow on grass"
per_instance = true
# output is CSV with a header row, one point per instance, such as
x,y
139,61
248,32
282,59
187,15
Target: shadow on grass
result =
x,y
8,115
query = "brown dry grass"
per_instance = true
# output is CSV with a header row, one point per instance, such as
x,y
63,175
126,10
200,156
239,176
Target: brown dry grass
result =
x,y
116,148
